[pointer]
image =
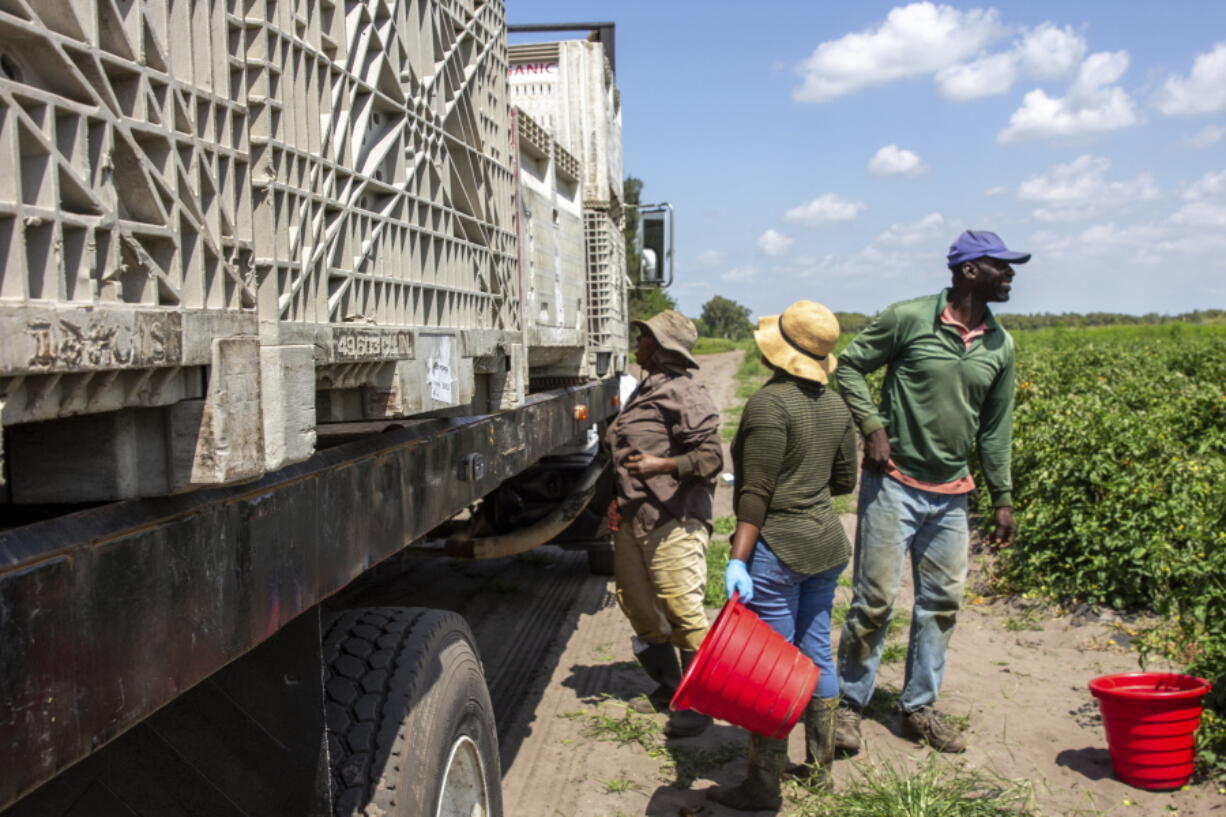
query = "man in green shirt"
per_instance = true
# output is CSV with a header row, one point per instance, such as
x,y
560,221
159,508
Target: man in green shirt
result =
x,y
948,387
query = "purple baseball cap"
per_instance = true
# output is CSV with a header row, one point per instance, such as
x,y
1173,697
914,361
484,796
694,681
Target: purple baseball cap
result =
x,y
974,244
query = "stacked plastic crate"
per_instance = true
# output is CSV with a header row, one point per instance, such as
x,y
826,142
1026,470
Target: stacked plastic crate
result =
x,y
551,236
569,88
211,210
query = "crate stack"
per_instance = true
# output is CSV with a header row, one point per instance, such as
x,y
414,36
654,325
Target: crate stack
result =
x,y
569,88
551,241
212,211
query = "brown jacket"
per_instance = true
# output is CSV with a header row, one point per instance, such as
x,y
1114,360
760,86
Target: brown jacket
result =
x,y
667,416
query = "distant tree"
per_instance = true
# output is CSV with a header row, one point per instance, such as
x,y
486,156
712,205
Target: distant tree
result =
x,y
643,303
852,321
725,318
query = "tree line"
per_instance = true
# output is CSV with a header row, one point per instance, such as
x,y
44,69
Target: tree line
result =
x,y
725,318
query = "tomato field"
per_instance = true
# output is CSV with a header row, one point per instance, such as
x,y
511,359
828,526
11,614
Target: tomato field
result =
x,y
1119,467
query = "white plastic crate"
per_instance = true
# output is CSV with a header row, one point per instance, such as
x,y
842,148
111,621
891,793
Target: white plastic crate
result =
x,y
606,290
326,184
552,250
569,88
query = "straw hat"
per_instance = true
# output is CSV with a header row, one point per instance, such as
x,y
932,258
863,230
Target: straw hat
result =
x,y
801,340
674,332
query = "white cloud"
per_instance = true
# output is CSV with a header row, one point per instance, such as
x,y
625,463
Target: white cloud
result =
x,y
1049,52
892,160
1092,104
739,275
998,190
1212,185
1201,214
1202,91
828,208
915,39
1206,199
774,243
1080,189
986,76
928,229
1046,52
708,259
1206,137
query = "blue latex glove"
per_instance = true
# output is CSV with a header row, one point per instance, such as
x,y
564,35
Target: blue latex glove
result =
x,y
736,580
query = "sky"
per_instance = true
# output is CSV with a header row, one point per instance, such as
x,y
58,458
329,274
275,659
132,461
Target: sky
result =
x,y
833,150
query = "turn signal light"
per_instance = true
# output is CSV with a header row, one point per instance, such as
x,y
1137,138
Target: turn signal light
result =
x,y
581,413
617,400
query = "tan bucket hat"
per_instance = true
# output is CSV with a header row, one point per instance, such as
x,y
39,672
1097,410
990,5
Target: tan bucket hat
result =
x,y
673,331
801,341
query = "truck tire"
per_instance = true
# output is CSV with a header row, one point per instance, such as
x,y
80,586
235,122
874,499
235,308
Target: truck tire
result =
x,y
410,726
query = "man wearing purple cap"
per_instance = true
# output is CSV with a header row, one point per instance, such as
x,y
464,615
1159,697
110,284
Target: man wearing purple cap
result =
x,y
948,386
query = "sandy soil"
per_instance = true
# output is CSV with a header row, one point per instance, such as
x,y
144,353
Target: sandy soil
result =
x,y
1016,673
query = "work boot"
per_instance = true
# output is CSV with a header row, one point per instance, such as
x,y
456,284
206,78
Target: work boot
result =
x,y
760,790
686,723
847,729
933,728
817,770
660,663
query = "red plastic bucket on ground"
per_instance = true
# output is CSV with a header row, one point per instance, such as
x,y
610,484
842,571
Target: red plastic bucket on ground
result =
x,y
747,674
1151,720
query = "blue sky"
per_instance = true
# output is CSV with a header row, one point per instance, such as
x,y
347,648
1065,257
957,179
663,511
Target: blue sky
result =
x,y
833,150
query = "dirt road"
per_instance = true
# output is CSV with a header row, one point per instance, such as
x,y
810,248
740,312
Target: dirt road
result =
x,y
558,661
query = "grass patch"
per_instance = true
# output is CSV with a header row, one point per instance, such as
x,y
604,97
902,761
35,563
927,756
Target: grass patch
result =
x,y
843,503
714,595
619,786
714,346
938,788
893,653
627,729
1029,619
839,613
724,525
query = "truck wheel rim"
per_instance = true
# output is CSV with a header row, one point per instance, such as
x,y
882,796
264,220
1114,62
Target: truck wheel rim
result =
x,y
463,793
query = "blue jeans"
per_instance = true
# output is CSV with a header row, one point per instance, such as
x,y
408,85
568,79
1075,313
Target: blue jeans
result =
x,y
893,519
797,606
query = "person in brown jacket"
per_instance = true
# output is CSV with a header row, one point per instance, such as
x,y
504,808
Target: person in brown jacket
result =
x,y
666,453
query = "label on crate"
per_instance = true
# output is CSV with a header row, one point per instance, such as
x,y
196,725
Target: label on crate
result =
x,y
438,372
371,344
87,340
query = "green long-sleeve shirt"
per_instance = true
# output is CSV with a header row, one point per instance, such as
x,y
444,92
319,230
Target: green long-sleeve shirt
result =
x,y
939,396
795,447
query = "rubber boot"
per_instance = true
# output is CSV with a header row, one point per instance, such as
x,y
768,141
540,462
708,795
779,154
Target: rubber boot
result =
x,y
660,663
817,770
760,790
686,723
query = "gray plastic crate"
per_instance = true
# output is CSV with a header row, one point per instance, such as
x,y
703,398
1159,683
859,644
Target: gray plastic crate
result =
x,y
212,210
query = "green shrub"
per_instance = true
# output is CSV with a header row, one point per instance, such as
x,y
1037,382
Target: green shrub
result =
x,y
1119,467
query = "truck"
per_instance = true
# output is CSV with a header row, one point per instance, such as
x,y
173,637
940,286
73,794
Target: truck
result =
x,y
288,289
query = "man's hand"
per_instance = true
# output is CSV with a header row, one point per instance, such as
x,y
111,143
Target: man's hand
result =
x,y
877,450
1006,528
647,465
614,515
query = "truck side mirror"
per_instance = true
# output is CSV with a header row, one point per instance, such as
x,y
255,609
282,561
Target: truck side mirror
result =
x,y
656,245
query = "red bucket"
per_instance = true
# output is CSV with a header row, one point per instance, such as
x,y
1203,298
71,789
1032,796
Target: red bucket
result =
x,y
747,674
1151,720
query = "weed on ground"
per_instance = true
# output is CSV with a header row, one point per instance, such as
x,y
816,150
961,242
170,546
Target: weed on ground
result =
x,y
938,788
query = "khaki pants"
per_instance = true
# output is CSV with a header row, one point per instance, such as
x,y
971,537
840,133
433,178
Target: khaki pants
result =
x,y
661,580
